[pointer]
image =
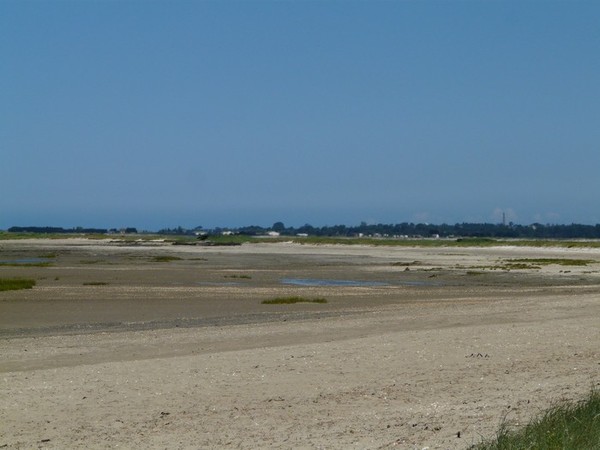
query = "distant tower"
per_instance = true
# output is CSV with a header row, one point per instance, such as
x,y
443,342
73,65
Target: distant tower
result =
x,y
503,218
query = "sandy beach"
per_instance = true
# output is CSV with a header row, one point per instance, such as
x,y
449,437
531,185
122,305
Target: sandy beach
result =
x,y
150,345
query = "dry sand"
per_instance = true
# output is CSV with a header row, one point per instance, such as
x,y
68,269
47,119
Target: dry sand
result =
x,y
182,354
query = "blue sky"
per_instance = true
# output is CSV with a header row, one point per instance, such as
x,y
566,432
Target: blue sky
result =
x,y
158,114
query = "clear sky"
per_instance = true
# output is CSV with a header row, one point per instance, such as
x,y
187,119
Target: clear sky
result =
x,y
158,114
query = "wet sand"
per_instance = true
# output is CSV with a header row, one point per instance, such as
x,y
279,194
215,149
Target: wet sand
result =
x,y
160,346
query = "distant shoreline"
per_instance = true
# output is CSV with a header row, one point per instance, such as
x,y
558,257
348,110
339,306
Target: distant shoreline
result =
x,y
403,230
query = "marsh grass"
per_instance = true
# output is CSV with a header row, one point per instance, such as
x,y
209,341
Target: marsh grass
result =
x,y
95,283
534,263
233,240
15,284
548,261
244,277
519,266
48,255
239,239
566,426
412,242
14,236
291,300
25,264
165,258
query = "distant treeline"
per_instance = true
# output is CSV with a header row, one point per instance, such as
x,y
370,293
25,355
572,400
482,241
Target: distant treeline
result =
x,y
77,230
412,230
400,230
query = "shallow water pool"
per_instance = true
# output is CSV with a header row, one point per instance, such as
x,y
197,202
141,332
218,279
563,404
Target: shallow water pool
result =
x,y
328,282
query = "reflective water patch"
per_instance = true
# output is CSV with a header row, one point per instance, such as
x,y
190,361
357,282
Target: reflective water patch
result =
x,y
326,282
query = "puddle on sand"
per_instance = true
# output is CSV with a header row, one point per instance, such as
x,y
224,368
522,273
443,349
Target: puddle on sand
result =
x,y
325,282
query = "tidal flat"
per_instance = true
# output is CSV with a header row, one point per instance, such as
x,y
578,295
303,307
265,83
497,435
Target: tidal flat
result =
x,y
158,346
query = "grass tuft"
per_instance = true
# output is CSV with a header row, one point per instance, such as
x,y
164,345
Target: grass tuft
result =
x,y
292,300
95,283
567,426
15,284
166,258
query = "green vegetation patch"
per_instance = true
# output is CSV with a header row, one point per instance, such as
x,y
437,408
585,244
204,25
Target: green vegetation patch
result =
x,y
26,264
548,261
245,277
567,426
48,255
13,236
476,242
166,258
517,266
401,242
534,263
222,240
95,283
292,300
15,284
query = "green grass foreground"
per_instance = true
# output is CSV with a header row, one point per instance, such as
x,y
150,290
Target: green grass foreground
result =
x,y
567,426
15,284
292,300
